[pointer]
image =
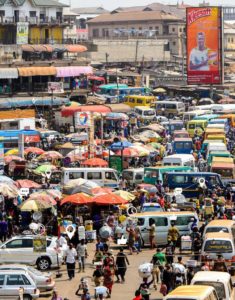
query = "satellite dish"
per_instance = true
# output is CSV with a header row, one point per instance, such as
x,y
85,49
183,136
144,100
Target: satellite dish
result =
x,y
37,215
180,199
34,226
131,210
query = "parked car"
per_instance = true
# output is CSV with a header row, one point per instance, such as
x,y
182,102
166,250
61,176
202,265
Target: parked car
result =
x,y
19,249
44,281
12,280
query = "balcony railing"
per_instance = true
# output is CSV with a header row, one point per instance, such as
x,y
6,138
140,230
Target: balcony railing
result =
x,y
32,20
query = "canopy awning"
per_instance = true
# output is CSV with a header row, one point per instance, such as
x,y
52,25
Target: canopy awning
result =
x,y
26,102
70,110
37,71
76,48
8,73
37,48
73,71
119,108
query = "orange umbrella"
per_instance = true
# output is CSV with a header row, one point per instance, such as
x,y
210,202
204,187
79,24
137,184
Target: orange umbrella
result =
x,y
109,199
100,190
95,162
128,152
77,199
51,154
34,150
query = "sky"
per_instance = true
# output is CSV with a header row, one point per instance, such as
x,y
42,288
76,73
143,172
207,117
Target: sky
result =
x,y
111,4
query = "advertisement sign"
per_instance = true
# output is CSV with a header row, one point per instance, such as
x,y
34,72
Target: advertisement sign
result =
x,y
204,45
1,158
82,119
115,162
55,87
21,144
22,33
39,243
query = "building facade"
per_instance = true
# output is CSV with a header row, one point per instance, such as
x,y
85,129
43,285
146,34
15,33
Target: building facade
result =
x,y
31,21
139,25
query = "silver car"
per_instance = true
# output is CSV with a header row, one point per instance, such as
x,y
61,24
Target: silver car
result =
x,y
13,282
44,281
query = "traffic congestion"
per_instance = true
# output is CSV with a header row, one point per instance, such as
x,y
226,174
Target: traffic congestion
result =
x,y
154,177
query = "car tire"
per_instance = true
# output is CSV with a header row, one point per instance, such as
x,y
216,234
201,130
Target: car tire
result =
x,y
43,263
27,297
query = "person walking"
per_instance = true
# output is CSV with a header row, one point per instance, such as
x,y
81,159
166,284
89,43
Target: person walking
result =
x,y
173,234
158,259
70,259
121,264
82,255
152,230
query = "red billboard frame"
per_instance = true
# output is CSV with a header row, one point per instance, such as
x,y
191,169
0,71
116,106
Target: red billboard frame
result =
x,y
204,45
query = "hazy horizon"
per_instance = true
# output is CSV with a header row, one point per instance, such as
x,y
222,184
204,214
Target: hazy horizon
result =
x,y
116,3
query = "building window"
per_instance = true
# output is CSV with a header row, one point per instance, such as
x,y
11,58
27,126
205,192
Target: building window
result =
x,y
180,29
228,40
32,14
2,13
95,32
150,28
58,15
173,29
231,40
174,43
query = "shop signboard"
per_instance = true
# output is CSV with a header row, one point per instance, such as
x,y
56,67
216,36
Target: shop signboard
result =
x,y
22,33
115,162
55,87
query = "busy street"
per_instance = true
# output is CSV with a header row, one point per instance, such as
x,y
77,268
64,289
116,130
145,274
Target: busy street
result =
x,y
117,151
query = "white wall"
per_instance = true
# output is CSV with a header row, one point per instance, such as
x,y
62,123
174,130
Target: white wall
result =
x,y
26,8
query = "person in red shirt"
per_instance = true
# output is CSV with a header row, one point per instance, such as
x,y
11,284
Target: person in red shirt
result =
x,y
138,295
161,201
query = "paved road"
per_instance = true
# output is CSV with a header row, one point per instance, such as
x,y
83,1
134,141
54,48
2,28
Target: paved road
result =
x,y
126,291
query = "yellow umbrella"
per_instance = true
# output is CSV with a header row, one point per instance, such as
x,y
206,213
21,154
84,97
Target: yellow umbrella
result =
x,y
35,205
125,195
13,151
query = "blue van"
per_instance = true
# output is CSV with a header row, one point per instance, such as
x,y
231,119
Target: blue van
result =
x,y
189,182
182,146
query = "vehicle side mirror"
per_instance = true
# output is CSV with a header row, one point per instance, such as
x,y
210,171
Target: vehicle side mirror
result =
x,y
3,247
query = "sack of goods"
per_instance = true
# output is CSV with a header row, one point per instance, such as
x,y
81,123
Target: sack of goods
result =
x,y
105,232
145,270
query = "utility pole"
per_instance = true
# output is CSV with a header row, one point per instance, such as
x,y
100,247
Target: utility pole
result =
x,y
136,50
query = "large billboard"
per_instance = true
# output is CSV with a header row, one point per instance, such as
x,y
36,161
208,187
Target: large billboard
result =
x,y
204,45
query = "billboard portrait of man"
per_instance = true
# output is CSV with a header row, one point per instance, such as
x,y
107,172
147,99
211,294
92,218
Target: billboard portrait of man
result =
x,y
204,45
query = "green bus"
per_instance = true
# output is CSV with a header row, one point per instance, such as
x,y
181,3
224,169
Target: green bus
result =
x,y
152,174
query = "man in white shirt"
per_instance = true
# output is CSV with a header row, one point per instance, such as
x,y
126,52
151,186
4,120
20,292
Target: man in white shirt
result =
x,y
199,55
71,255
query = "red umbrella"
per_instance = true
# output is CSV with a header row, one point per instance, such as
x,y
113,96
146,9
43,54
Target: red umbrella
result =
x,y
35,150
95,162
9,158
109,199
77,199
25,183
128,152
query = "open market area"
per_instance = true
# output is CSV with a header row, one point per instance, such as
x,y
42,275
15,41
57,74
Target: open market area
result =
x,y
117,151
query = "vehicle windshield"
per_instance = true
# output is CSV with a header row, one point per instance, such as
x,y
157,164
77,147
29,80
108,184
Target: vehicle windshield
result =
x,y
127,175
149,113
216,229
224,172
218,246
218,286
151,209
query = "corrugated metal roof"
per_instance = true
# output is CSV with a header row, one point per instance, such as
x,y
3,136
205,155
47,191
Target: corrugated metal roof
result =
x,y
48,3
90,10
133,16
